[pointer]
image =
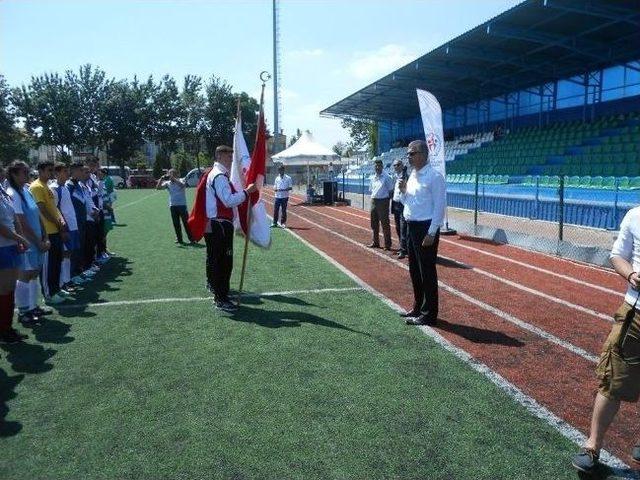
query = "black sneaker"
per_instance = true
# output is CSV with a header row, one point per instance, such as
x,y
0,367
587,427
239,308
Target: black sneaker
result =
x,y
39,311
586,460
226,306
12,336
28,319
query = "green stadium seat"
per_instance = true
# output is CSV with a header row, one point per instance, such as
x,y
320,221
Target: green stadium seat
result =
x,y
623,183
573,181
596,182
585,182
609,183
634,183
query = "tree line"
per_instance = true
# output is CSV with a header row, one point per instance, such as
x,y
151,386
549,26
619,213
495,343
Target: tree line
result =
x,y
87,111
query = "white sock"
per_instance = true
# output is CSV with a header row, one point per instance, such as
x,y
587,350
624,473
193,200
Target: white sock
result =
x,y
34,289
65,271
22,295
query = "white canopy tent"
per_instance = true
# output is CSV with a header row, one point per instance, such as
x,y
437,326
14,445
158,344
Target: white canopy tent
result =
x,y
306,151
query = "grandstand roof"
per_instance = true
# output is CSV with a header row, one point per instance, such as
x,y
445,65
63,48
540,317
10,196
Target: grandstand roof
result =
x,y
535,42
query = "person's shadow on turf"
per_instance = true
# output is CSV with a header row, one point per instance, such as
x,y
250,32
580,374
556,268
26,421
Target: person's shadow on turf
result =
x,y
279,319
479,335
7,392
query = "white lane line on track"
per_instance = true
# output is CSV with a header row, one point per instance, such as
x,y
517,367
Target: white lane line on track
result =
x,y
201,299
529,403
497,278
497,312
520,263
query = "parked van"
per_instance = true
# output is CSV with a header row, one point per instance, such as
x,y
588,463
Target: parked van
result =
x,y
115,172
192,178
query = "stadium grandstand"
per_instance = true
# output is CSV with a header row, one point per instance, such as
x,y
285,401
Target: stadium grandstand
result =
x,y
544,93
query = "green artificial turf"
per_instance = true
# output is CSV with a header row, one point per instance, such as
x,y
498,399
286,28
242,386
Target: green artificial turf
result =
x,y
300,386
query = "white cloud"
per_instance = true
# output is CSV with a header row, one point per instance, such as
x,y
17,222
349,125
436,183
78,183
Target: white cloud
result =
x,y
304,53
373,64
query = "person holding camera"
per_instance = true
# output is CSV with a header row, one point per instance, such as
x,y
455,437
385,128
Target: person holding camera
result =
x,y
619,367
397,208
177,202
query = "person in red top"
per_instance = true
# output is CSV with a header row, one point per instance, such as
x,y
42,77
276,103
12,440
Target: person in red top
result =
x,y
221,198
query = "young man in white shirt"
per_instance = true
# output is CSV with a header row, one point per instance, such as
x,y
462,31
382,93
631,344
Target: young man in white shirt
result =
x,y
282,185
177,202
221,198
381,186
619,367
424,198
62,198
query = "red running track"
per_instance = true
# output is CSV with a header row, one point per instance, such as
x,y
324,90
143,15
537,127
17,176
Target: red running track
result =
x,y
539,327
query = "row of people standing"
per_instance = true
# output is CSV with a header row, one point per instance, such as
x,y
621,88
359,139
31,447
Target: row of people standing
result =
x,y
52,237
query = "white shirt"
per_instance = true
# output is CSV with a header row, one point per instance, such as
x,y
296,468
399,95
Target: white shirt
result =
x,y
282,183
381,185
425,197
65,205
88,201
222,189
627,246
176,193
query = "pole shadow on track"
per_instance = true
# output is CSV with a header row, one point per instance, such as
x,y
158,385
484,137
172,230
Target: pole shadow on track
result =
x,y
279,319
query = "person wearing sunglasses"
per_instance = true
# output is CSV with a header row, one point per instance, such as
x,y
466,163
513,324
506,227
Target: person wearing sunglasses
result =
x,y
423,195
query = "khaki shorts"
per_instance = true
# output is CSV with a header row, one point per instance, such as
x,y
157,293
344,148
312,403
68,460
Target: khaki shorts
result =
x,y
619,377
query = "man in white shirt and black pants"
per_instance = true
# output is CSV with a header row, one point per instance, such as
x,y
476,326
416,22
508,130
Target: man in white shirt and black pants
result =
x,y
424,199
281,186
381,190
177,202
221,198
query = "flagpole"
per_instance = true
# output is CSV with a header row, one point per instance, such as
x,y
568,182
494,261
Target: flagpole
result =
x,y
248,234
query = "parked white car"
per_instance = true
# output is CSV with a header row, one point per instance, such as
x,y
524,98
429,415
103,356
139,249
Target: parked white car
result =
x,y
116,175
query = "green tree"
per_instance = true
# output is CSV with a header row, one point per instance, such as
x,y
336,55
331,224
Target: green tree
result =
x,y
50,109
340,148
129,117
220,112
168,114
192,122
249,109
92,89
14,143
182,161
363,133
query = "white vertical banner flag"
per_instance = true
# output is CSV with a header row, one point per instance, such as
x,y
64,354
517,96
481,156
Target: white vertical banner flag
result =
x,y
431,114
434,134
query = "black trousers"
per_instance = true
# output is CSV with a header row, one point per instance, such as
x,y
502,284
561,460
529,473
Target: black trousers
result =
x,y
179,212
77,255
90,240
280,205
380,215
397,209
422,267
51,279
101,235
219,258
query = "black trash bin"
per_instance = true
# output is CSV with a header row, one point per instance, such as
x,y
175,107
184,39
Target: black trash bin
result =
x,y
330,191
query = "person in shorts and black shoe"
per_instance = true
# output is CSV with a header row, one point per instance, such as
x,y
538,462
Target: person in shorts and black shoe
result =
x,y
619,367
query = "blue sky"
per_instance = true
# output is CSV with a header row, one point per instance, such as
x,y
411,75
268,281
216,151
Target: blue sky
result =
x,y
329,48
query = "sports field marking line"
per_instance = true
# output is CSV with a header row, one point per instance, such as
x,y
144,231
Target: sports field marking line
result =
x,y
136,201
529,403
522,264
510,283
485,306
201,299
